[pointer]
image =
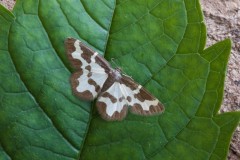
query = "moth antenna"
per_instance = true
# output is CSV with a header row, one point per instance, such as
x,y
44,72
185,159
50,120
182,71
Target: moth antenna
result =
x,y
117,66
127,75
114,63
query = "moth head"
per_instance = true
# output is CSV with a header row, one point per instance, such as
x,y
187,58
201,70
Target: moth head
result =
x,y
119,70
117,73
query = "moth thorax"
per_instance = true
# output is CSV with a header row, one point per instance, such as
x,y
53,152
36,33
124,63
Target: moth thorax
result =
x,y
117,73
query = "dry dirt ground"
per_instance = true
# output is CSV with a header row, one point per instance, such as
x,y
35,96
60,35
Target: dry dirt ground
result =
x,y
222,18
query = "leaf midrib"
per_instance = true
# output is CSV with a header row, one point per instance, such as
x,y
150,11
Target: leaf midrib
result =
x,y
92,104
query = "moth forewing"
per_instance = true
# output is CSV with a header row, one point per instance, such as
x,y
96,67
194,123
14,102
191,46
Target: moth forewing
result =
x,y
90,73
140,100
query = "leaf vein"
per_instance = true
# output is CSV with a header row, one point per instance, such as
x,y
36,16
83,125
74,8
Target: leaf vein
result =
x,y
87,11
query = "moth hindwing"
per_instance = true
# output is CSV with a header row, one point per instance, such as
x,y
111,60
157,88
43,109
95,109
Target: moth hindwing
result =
x,y
95,78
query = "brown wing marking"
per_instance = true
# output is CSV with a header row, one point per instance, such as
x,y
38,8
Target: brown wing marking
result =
x,y
140,99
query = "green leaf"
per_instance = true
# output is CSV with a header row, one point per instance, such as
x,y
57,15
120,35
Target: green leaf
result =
x,y
159,43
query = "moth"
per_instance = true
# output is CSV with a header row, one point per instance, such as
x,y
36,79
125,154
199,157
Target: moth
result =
x,y
95,78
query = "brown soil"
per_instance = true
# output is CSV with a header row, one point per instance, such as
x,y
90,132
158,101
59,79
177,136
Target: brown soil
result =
x,y
222,19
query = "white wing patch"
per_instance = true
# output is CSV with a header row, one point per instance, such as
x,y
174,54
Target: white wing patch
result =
x,y
86,82
78,55
93,75
132,100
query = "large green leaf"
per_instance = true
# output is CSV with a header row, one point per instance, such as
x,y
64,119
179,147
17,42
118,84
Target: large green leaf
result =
x,y
160,43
